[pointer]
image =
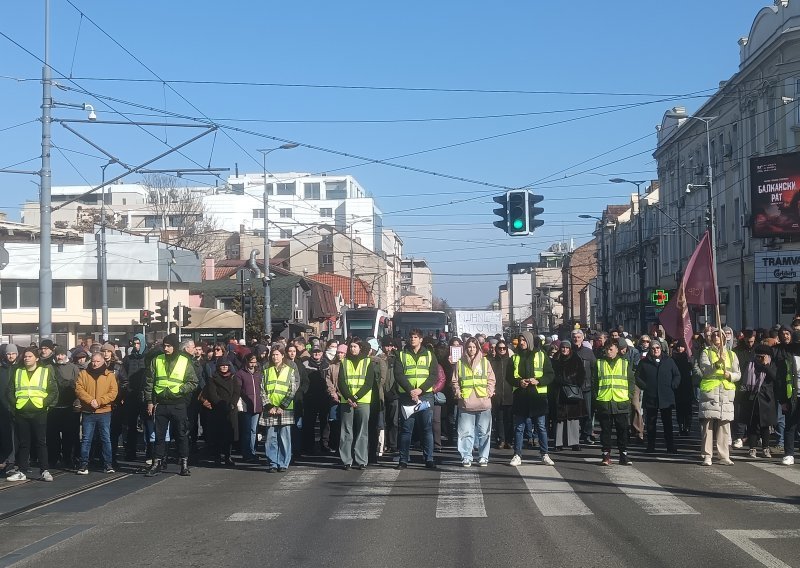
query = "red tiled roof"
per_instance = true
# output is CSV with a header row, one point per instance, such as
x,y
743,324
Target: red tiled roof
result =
x,y
342,284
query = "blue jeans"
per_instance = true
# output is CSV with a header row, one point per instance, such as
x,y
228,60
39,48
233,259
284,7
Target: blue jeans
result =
x,y
781,427
539,427
248,423
102,424
425,420
474,429
279,445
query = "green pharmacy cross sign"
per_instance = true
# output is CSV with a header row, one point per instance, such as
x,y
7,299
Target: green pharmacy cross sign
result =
x,y
660,298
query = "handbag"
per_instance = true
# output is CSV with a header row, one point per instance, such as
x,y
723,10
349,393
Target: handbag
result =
x,y
439,399
571,393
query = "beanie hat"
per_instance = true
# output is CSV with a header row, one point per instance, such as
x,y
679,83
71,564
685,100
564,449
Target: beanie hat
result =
x,y
342,348
566,344
47,343
12,348
108,347
171,339
60,351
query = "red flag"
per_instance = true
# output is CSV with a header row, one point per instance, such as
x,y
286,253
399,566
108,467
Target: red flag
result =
x,y
698,279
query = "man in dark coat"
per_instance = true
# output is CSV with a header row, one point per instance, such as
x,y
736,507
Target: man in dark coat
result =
x,y
8,358
63,423
134,366
658,377
589,360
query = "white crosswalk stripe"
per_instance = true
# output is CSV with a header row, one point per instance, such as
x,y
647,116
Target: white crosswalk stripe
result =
x,y
551,493
751,496
297,480
253,516
368,497
788,473
459,496
649,495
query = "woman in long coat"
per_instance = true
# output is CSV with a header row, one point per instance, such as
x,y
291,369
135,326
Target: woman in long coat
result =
x,y
570,372
223,391
503,396
658,377
684,395
758,408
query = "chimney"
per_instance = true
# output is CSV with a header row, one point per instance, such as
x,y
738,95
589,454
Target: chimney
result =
x,y
209,268
241,229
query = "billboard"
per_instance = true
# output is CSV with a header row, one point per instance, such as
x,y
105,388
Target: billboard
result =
x,y
774,267
774,195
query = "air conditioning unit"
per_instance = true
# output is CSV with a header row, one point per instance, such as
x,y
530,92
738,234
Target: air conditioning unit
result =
x,y
298,314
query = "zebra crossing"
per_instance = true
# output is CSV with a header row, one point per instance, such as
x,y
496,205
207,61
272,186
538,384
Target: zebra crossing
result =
x,y
462,493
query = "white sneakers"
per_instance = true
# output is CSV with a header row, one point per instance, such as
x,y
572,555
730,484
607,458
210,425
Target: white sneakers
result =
x,y
788,460
725,462
707,461
515,461
46,476
16,476
546,460
738,444
483,462
466,463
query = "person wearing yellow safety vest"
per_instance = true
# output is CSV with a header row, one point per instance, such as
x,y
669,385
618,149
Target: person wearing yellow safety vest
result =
x,y
32,390
788,390
530,373
719,368
415,372
613,387
169,382
278,389
473,384
357,377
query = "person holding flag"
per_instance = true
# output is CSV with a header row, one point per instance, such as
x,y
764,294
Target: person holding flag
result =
x,y
720,371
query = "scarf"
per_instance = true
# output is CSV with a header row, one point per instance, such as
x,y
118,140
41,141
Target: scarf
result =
x,y
754,380
96,373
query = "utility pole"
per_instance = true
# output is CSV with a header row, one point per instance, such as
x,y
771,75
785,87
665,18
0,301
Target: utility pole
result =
x,y
45,180
170,262
353,271
101,251
179,319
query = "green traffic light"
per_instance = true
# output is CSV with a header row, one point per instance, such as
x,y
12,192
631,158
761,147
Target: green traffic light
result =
x,y
518,224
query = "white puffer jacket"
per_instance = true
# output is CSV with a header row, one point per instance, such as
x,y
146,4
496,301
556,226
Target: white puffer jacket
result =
x,y
717,404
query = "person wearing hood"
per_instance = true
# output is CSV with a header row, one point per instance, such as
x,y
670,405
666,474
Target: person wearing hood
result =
x,y
757,409
719,369
571,410
388,354
473,383
684,395
658,377
530,374
81,358
170,380
357,377
223,390
249,378
135,368
63,423
613,389
8,359
96,388
31,392
503,396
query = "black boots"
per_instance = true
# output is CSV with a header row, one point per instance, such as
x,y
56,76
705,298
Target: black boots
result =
x,y
154,469
185,467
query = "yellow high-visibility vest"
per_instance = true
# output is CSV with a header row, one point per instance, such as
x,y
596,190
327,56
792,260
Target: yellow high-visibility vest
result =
x,y
355,376
417,370
277,385
470,380
33,388
538,370
612,382
172,381
717,376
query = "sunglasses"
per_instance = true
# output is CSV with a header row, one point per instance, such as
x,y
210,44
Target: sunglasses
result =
x,y
501,347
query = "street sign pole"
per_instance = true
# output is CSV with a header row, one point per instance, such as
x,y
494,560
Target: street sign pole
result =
x,y
3,264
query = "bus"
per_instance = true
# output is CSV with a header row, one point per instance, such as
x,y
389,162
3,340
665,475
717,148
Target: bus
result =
x,y
431,323
365,323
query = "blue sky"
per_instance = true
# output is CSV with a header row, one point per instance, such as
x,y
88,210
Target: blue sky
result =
x,y
580,87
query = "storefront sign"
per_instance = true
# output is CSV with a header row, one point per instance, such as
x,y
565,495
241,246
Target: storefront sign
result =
x,y
777,267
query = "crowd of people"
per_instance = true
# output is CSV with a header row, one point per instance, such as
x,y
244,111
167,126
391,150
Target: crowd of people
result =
x,y
366,398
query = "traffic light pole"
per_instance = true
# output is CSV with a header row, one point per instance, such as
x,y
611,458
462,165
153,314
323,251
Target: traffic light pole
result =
x,y
179,319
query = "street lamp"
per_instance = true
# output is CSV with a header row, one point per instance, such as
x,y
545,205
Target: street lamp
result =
x,y
604,267
640,225
267,298
679,113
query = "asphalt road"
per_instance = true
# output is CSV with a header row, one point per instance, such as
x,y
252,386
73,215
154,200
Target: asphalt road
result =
x,y
662,511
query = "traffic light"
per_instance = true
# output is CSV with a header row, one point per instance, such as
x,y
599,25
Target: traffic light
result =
x,y
145,317
518,213
187,315
176,314
502,211
161,311
247,304
533,211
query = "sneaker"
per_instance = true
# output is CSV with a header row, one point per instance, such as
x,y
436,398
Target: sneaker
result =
x,y
483,462
82,470
546,460
109,469
706,462
725,462
606,459
45,476
401,465
753,453
737,443
19,476
767,453
788,460
466,463
515,461
625,460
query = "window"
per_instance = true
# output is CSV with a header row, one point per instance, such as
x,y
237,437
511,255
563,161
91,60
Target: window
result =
x,y
327,259
129,296
286,233
311,190
722,233
285,213
327,240
336,190
258,213
737,229
25,294
326,212
152,222
286,188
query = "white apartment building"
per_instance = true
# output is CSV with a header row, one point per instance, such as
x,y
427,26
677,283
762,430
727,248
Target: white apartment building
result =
x,y
416,285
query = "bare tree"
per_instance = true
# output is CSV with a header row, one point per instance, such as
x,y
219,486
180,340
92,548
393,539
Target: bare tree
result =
x,y
184,219
439,304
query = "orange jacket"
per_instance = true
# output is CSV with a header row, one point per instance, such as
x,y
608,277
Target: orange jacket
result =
x,y
102,389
